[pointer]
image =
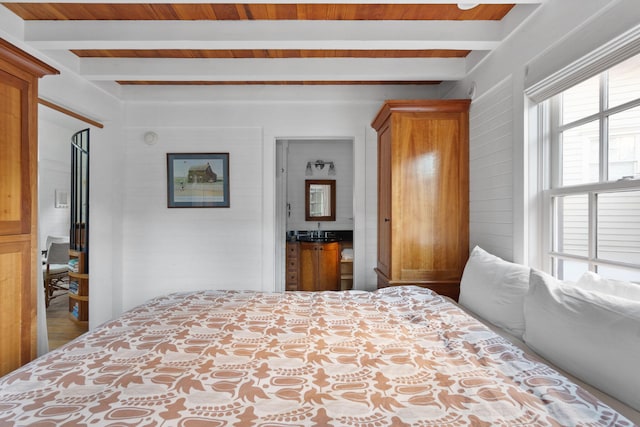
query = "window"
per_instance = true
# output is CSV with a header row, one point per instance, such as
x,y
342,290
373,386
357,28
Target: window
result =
x,y
593,168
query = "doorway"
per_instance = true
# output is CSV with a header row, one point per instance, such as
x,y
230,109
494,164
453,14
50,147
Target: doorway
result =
x,y
54,216
300,159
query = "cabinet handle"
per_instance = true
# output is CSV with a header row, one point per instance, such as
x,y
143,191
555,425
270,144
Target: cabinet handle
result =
x,y
387,220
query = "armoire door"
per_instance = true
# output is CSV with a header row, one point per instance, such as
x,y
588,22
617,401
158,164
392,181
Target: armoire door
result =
x,y
19,258
384,202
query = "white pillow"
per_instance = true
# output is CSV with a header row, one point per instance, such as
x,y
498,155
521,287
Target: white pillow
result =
x,y
590,281
494,289
594,336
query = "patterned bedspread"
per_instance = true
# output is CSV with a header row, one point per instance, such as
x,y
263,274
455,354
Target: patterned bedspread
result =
x,y
399,356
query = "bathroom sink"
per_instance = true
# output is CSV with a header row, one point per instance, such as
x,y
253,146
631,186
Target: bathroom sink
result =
x,y
317,239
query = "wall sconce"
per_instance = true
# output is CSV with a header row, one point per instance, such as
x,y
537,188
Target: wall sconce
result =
x,y
319,164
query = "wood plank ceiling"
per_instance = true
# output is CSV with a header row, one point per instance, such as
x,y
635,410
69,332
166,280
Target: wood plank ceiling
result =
x,y
235,11
53,14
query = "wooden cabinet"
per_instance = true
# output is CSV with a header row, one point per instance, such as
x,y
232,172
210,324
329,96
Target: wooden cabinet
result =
x,y
319,267
293,266
423,193
19,258
78,288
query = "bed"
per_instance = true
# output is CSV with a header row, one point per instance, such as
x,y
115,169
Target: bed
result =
x,y
401,356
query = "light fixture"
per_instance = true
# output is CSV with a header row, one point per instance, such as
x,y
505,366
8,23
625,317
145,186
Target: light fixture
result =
x,y
320,164
467,6
150,138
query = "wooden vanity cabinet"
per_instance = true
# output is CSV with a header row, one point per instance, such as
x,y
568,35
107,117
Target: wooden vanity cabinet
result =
x,y
423,193
319,266
293,266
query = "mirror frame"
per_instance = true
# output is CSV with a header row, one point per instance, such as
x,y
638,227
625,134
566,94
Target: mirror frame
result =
x,y
307,192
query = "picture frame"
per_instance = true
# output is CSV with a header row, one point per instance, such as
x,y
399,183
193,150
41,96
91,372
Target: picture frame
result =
x,y
61,198
198,180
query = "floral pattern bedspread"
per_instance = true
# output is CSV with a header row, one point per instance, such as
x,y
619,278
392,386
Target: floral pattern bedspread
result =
x,y
399,356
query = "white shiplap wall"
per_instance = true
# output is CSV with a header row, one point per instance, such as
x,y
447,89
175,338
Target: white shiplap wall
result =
x,y
169,249
54,172
339,151
166,250
491,171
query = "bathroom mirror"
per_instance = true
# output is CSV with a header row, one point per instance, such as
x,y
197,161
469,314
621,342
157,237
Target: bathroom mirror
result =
x,y
320,200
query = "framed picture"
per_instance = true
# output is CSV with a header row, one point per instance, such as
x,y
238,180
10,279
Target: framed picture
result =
x,y
198,180
61,198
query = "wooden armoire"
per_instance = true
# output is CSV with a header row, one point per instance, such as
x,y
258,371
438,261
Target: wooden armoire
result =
x,y
19,258
423,193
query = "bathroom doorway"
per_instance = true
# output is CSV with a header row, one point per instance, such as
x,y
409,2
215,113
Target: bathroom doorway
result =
x,y
301,159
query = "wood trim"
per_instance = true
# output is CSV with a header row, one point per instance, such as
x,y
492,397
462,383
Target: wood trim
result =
x,y
419,106
269,53
69,113
23,60
275,82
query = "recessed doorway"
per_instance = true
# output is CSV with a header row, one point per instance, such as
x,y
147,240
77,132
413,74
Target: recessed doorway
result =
x,y
54,217
302,159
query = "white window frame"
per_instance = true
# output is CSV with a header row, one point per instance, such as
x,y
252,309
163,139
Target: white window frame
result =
x,y
550,168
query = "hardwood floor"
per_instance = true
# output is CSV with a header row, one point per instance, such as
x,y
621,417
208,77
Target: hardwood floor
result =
x,y
60,328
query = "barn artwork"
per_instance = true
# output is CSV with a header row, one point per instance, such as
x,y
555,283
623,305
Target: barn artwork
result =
x,y
197,180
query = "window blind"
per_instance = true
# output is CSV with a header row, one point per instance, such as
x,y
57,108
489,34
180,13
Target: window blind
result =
x,y
539,87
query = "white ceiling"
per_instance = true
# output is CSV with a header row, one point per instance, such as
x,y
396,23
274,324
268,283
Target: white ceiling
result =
x,y
56,38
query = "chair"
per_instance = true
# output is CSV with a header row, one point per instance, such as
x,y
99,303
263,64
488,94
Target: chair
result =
x,y
56,271
51,239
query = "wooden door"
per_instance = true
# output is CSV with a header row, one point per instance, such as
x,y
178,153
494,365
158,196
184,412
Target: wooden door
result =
x,y
328,276
308,267
319,267
15,185
384,201
17,297
427,197
17,334
19,258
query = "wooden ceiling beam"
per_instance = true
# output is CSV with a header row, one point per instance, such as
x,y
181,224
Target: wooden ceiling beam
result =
x,y
265,41
274,83
267,53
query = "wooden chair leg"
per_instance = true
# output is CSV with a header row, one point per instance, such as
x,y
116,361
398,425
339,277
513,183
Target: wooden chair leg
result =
x,y
47,297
